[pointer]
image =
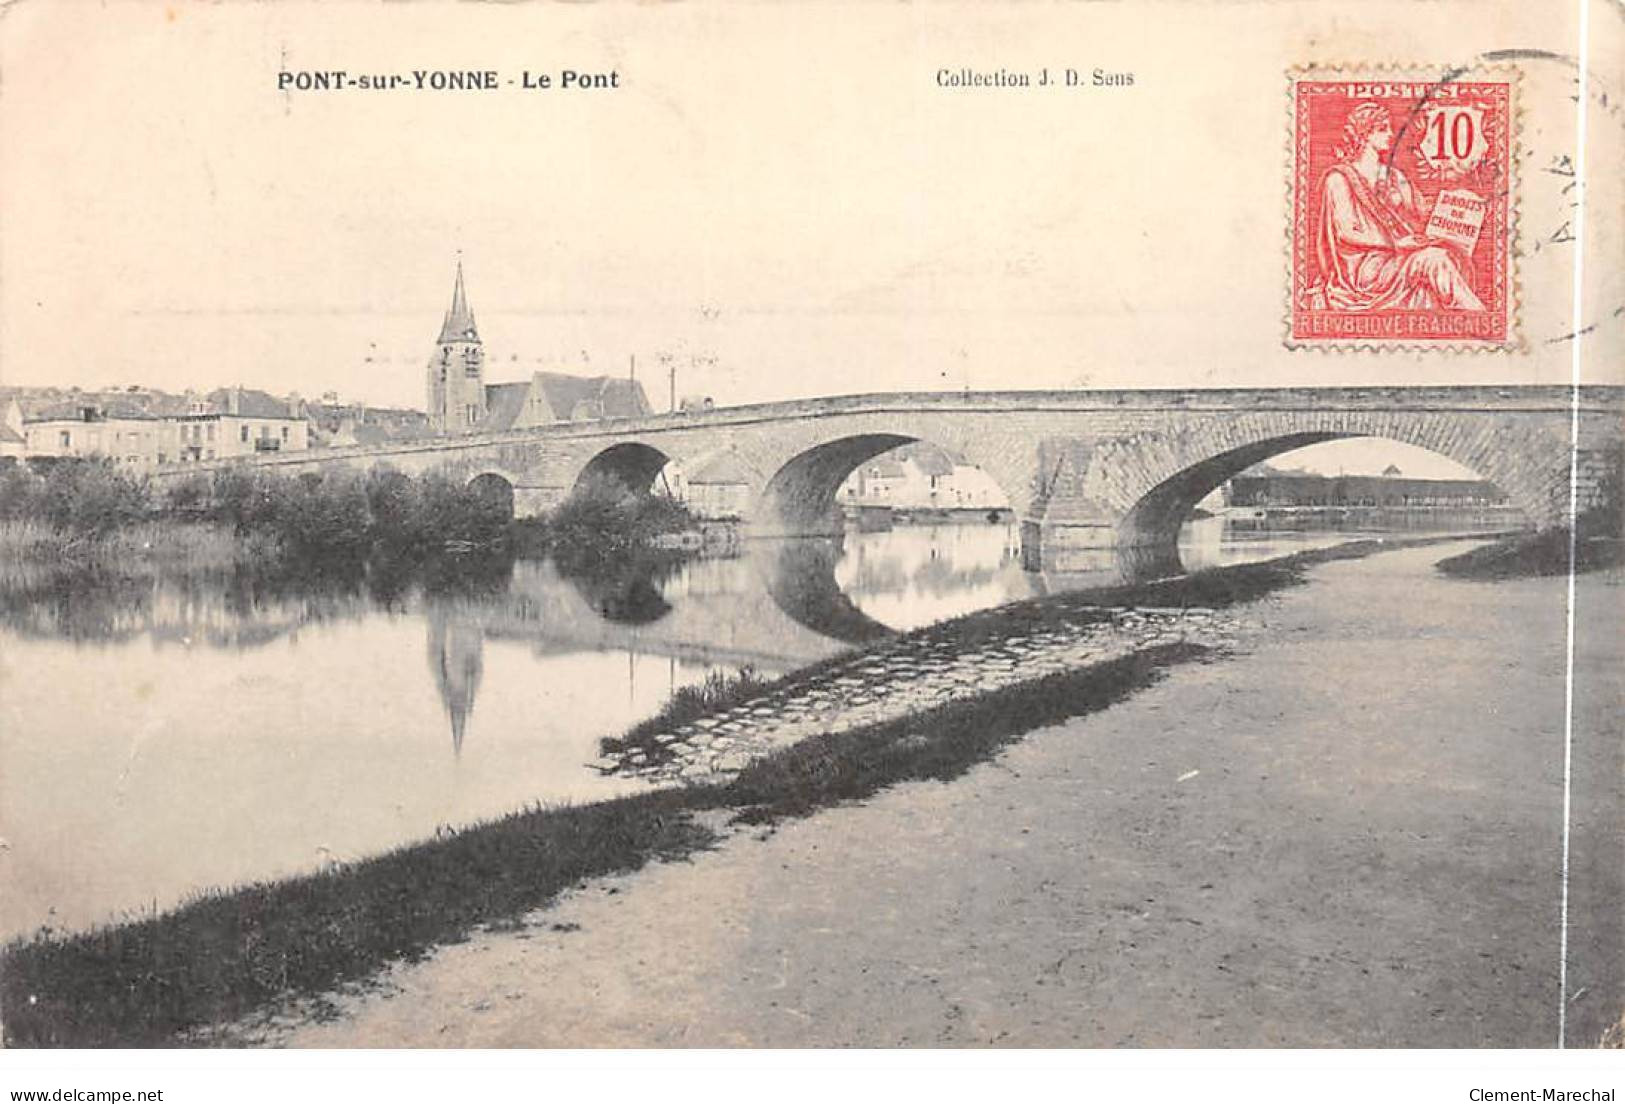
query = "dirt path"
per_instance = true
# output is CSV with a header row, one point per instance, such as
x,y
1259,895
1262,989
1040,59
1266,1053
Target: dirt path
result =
x,y
1346,834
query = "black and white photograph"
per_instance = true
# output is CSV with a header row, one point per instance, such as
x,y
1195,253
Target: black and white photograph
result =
x,y
695,531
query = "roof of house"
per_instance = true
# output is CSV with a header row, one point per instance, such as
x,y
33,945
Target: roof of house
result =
x,y
163,405
74,411
624,398
504,402
124,408
329,416
250,403
726,467
566,397
145,404
10,436
605,396
930,459
372,433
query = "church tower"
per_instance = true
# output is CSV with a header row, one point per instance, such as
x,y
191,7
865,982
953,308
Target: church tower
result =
x,y
456,372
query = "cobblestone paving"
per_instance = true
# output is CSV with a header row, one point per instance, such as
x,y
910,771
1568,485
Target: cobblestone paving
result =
x,y
909,676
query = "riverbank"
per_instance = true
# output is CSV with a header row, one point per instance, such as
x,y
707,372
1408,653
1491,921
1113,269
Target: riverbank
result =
x,y
1345,834
92,511
953,661
136,548
227,954
1525,555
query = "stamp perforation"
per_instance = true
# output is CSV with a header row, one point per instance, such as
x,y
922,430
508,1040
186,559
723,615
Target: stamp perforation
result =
x,y
1504,288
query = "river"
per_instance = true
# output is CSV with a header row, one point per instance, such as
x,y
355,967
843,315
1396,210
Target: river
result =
x,y
164,736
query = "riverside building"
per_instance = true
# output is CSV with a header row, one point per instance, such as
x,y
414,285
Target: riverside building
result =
x,y
139,436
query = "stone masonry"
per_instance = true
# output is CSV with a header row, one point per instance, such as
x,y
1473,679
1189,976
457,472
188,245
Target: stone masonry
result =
x,y
1093,469
908,676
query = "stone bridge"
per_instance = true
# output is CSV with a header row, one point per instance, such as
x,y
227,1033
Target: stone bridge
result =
x,y
1081,469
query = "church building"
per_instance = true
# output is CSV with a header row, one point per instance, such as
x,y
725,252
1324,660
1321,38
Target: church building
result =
x,y
460,401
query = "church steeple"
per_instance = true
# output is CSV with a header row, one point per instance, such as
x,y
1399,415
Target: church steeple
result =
x,y
456,370
459,324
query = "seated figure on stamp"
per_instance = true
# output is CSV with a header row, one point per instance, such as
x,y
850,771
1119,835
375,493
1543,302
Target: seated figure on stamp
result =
x,y
1370,249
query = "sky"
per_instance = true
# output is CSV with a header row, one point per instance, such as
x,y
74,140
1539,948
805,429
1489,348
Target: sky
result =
x,y
781,200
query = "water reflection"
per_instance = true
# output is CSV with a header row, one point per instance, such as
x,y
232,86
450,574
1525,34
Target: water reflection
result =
x,y
801,578
1222,541
165,733
908,577
457,660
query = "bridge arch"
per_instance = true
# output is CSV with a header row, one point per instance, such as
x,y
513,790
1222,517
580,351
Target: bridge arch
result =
x,y
1160,477
495,486
800,496
631,465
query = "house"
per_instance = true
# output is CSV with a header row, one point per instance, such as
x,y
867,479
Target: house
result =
x,y
337,425
549,397
138,430
122,433
233,421
921,476
460,401
720,488
13,444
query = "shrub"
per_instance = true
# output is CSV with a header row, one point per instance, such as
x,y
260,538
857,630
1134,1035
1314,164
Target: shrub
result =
x,y
324,516
396,505
1607,518
19,491
188,498
80,497
336,513
245,499
605,515
451,511
108,499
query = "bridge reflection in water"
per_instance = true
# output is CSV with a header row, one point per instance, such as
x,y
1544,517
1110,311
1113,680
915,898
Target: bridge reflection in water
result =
x,y
244,728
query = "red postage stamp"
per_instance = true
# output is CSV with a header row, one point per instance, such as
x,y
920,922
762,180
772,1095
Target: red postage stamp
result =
x,y
1402,209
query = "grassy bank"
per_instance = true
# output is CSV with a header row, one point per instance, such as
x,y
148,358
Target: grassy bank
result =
x,y
718,692
1595,542
1531,555
137,547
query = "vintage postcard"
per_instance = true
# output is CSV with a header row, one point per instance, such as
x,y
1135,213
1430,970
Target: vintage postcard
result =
x,y
753,526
